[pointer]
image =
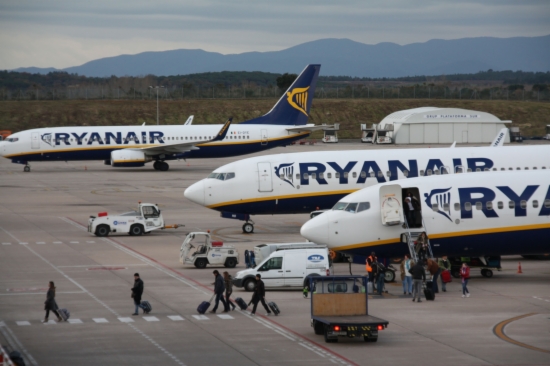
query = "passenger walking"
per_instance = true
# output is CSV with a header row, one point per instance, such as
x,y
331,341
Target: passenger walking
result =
x,y
50,303
137,291
411,207
418,275
247,258
368,266
434,270
444,265
406,277
219,288
259,295
379,274
252,259
228,289
465,275
421,247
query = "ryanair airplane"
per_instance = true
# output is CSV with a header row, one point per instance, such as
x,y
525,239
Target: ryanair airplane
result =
x,y
132,146
474,215
304,182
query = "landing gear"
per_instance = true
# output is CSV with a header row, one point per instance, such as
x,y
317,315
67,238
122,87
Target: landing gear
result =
x,y
27,168
248,228
486,273
161,165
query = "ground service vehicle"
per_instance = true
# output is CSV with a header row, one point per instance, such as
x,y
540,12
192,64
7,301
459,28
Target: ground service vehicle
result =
x,y
339,308
287,268
207,251
145,219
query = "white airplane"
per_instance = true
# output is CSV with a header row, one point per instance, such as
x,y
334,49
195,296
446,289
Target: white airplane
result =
x,y
304,182
468,215
131,146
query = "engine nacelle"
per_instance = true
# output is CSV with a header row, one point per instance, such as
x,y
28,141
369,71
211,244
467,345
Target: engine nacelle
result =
x,y
128,158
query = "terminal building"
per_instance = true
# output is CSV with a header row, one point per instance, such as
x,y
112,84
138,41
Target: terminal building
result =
x,y
430,125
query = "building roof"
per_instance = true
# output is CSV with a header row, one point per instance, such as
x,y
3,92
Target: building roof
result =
x,y
439,115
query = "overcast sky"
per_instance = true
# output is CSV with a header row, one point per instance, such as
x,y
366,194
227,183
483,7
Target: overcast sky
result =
x,y
63,33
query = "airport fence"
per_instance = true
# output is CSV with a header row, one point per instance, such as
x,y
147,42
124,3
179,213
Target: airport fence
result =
x,y
230,92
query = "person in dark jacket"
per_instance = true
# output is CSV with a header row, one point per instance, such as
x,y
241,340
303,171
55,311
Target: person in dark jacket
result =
x,y
418,275
219,288
247,258
228,289
259,295
435,271
252,259
137,291
50,303
379,274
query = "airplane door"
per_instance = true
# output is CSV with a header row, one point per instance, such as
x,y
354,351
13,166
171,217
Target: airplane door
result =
x,y
264,177
35,140
391,205
264,137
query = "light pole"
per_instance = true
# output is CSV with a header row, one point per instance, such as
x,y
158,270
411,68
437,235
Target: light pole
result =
x,y
157,89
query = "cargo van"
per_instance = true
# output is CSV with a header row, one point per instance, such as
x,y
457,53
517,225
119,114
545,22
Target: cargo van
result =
x,y
287,268
263,251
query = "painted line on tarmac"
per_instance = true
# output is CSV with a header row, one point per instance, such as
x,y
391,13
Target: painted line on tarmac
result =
x,y
498,330
100,301
189,281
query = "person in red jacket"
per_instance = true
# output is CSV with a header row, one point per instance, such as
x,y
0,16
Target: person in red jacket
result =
x,y
465,275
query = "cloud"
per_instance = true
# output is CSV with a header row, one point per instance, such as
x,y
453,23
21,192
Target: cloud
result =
x,y
62,33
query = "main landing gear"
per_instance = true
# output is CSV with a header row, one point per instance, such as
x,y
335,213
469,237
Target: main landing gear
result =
x,y
161,165
27,168
248,227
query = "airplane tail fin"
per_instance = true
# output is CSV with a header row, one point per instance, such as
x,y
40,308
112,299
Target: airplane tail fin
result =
x,y
499,139
223,131
293,107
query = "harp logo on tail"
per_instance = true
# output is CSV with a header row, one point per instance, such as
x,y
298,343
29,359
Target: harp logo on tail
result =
x,y
297,98
440,199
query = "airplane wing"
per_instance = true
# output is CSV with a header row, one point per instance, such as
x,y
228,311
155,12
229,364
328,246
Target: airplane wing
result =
x,y
499,140
189,120
309,127
187,146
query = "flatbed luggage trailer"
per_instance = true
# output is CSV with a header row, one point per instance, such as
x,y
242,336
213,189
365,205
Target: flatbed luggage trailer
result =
x,y
339,308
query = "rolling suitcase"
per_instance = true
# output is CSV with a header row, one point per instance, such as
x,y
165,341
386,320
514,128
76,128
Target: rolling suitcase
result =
x,y
242,304
146,306
64,314
428,291
205,305
274,308
446,276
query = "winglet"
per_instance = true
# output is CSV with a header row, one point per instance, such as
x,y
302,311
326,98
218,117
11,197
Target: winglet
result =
x,y
189,120
223,131
453,145
501,136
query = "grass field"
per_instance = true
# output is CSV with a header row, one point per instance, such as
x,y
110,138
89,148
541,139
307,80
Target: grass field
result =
x,y
531,117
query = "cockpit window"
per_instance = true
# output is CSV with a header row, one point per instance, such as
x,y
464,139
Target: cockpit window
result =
x,y
12,139
340,206
213,175
351,207
221,176
363,206
229,176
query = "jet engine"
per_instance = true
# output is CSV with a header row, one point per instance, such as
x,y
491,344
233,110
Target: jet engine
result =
x,y
129,158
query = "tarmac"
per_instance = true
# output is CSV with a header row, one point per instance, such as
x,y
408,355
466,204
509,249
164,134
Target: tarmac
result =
x,y
43,237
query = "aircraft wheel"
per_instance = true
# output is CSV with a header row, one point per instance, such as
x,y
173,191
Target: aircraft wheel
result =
x,y
486,273
27,169
248,228
164,166
156,165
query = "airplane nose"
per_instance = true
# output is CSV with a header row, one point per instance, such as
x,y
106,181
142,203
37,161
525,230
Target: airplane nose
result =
x,y
316,229
195,193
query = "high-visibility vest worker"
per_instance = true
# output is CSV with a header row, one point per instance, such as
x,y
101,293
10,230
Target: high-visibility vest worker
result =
x,y
370,260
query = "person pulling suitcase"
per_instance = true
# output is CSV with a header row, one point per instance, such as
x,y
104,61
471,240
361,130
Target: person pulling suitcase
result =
x,y
259,295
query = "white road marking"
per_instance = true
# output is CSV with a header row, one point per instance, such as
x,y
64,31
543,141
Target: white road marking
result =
x,y
106,265
151,318
200,317
126,320
23,323
23,243
175,318
50,322
58,242
6,243
40,242
225,316
75,321
74,242
100,320
41,293
90,242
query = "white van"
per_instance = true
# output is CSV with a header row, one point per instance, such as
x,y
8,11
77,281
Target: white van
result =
x,y
287,268
263,251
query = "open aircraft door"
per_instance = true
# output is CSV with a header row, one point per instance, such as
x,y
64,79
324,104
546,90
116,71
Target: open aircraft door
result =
x,y
391,205
35,140
264,177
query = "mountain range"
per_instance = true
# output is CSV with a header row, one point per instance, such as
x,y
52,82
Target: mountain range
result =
x,y
338,57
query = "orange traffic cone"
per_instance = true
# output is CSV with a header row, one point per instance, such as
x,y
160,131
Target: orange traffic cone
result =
x,y
519,267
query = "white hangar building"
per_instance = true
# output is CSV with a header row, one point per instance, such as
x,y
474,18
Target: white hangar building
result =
x,y
430,125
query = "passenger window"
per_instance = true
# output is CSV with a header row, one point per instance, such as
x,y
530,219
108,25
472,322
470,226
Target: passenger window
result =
x,y
406,173
534,168
313,176
351,207
526,168
500,205
437,172
380,175
511,204
523,204
444,170
468,206
489,205
469,170
297,175
459,169
457,206
329,175
388,174
354,175
229,176
446,207
272,263
543,167
486,169
535,204
479,206
363,206
518,168
321,175
336,175
502,168
429,172
435,207
494,169
510,168
478,169
421,173
363,174
346,174
282,176
547,203
372,174
340,206
306,176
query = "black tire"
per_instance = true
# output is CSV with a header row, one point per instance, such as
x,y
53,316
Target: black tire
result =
x,y
27,169
136,230
318,327
249,284
327,339
102,230
164,166
370,339
487,273
230,262
156,165
389,276
200,263
248,228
